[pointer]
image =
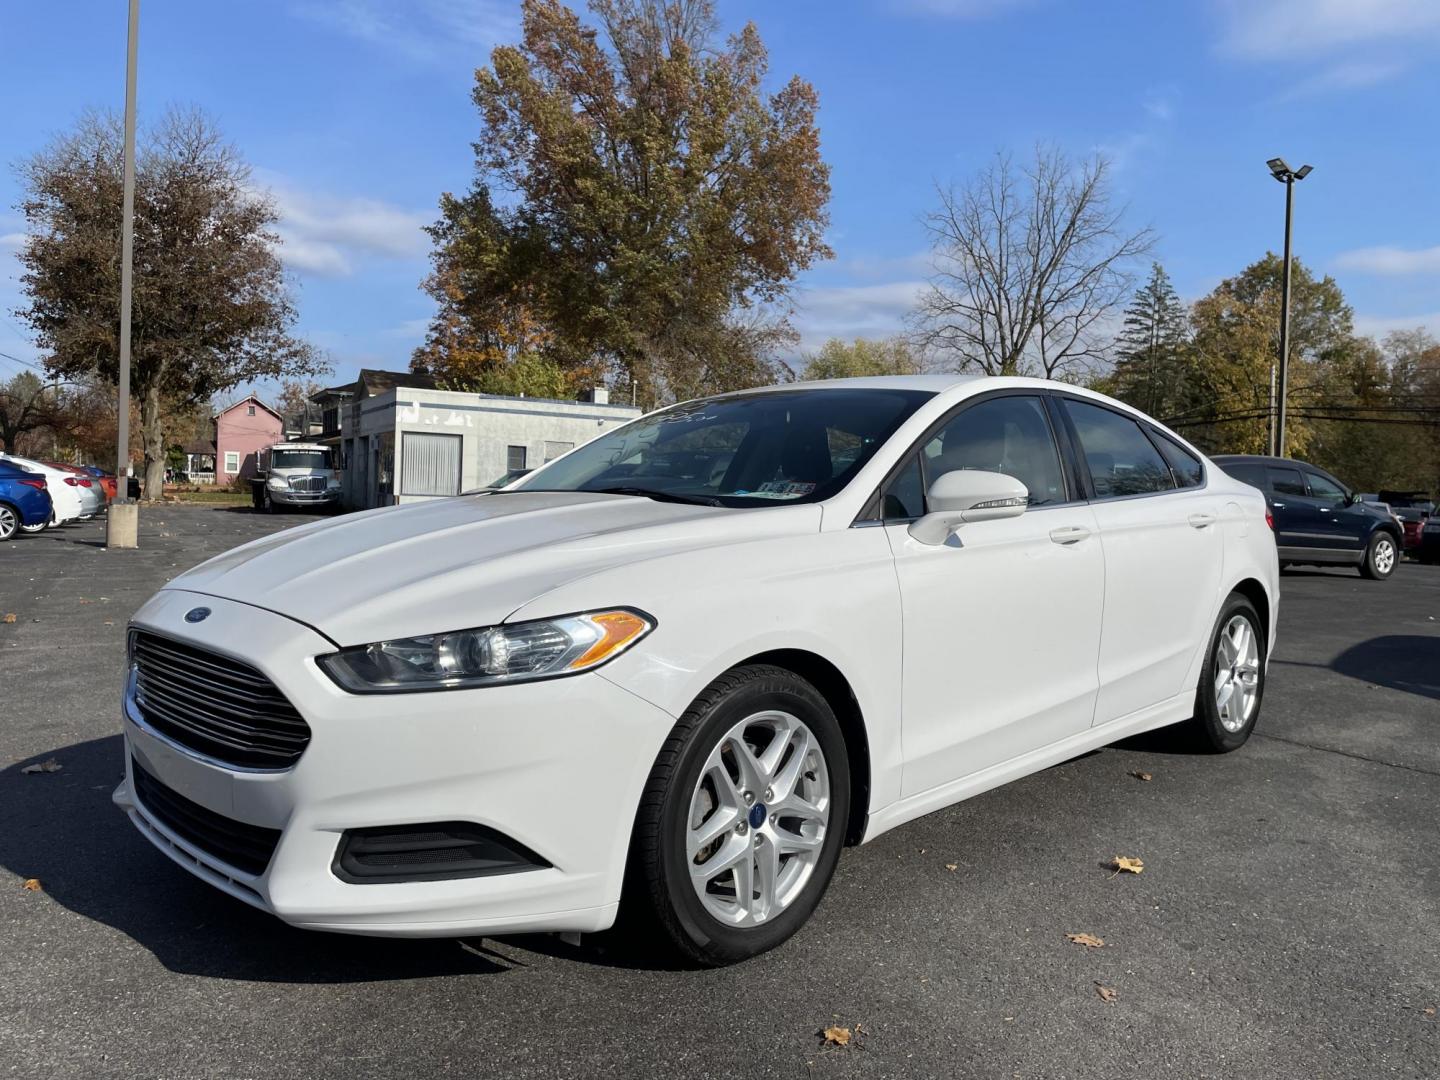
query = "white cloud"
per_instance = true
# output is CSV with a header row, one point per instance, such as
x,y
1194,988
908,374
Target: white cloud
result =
x,y
1378,326
851,311
1160,103
423,30
328,235
1271,28
1391,261
1347,75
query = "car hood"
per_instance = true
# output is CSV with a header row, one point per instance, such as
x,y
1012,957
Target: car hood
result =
x,y
465,561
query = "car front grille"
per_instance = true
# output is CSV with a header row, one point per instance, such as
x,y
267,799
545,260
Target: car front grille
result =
x,y
308,483
214,705
247,848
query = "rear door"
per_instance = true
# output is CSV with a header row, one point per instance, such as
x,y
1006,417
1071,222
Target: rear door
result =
x,y
1296,523
1163,545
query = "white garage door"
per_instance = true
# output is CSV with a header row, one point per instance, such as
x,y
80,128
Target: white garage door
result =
x,y
430,464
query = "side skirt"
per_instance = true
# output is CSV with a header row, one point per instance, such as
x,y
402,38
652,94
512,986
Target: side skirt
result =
x,y
1180,707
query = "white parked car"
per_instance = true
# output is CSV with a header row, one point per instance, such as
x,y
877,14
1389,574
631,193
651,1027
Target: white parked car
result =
x,y
687,662
64,488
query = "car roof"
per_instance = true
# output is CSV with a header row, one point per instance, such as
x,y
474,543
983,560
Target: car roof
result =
x,y
1261,459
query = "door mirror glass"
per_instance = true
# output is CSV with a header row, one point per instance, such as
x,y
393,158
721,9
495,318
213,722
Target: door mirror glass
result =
x,y
964,496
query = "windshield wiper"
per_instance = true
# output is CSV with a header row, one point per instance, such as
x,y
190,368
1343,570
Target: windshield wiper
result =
x,y
659,496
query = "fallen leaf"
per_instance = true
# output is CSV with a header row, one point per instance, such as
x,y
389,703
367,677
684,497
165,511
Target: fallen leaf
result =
x,y
1133,866
1142,776
1090,941
32,884
1106,994
8,618
952,867
1429,1010
837,1036
50,765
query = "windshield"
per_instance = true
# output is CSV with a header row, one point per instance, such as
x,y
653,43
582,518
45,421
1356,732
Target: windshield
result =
x,y
754,449
300,459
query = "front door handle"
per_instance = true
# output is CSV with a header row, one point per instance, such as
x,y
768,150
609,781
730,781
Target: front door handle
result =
x,y
1070,534
1201,521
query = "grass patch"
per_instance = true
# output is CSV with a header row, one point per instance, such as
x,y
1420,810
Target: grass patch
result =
x,y
210,498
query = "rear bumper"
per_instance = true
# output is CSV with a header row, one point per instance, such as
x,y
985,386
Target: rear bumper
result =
x,y
557,766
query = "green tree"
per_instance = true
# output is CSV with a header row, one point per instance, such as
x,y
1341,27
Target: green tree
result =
x,y
838,360
659,202
1236,347
1152,352
211,308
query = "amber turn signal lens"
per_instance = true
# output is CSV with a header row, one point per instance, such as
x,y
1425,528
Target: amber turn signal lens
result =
x,y
617,629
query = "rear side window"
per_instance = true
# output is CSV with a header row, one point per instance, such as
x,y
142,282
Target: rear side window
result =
x,y
1285,480
1184,465
1254,475
1121,459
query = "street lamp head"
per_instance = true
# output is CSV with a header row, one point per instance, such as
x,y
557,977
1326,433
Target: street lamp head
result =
x,y
1279,169
1302,172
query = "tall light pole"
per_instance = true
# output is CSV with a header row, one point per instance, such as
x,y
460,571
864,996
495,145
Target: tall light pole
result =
x,y
1286,176
122,522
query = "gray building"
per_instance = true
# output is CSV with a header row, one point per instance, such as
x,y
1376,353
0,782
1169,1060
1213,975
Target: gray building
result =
x,y
401,444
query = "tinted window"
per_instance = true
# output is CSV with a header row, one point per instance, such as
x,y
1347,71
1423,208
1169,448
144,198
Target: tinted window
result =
x,y
1254,475
904,496
1285,480
754,449
1121,459
1185,465
1323,488
1009,435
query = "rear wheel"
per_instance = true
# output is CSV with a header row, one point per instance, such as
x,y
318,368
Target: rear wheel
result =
x,y
9,521
743,818
39,528
1381,557
1232,681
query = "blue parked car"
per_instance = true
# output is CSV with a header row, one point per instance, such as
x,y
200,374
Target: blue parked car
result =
x,y
24,499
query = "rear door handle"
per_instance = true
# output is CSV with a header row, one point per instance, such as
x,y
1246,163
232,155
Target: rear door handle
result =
x,y
1201,521
1277,506
1070,534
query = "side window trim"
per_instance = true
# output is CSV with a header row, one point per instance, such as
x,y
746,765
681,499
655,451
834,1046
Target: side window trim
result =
x,y
1073,493
1158,439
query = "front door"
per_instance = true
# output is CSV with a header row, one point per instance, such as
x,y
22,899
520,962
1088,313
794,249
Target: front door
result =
x,y
1002,622
1346,525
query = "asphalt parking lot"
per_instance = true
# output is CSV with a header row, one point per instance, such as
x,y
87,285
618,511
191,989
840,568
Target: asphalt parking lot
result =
x,y
1287,923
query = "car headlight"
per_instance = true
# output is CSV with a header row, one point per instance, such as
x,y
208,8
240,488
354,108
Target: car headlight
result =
x,y
487,655
276,482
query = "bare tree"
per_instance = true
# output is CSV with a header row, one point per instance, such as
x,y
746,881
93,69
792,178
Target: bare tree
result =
x,y
1028,263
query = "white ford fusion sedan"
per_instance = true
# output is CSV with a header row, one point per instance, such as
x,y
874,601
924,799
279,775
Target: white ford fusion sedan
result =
x,y
683,665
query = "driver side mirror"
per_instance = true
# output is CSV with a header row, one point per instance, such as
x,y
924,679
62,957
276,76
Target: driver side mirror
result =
x,y
965,496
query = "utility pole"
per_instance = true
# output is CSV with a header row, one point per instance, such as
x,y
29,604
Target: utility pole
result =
x,y
1287,176
122,523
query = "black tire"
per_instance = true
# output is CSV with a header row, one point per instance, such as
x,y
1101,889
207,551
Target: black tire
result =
x,y
1376,566
1207,729
659,878
270,507
9,521
36,530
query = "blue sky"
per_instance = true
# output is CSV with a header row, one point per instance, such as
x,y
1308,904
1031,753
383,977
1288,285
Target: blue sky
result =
x,y
356,115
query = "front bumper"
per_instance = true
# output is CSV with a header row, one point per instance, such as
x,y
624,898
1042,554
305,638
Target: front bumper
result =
x,y
558,766
286,497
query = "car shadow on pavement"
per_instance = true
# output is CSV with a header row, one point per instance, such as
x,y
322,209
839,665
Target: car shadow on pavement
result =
x,y
62,829
1409,662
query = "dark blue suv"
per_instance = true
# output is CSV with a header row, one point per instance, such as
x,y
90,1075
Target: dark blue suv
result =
x,y
1317,520
24,499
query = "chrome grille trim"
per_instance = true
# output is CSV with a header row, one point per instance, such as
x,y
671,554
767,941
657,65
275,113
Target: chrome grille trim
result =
x,y
216,708
308,483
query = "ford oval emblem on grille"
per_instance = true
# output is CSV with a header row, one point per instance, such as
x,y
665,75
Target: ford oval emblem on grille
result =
x,y
197,614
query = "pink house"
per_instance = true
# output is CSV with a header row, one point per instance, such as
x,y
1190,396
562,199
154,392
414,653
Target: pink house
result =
x,y
240,431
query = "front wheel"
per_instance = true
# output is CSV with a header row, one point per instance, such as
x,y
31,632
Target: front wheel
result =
x,y
741,823
1380,557
1232,681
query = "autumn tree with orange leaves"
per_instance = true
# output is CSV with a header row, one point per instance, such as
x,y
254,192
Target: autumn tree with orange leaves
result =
x,y
658,204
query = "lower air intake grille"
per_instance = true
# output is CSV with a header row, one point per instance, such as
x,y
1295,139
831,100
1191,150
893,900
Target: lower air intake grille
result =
x,y
247,848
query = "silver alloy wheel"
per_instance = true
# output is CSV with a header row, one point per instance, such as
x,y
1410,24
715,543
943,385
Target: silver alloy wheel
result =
x,y
758,817
8,522
1384,555
1237,673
